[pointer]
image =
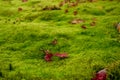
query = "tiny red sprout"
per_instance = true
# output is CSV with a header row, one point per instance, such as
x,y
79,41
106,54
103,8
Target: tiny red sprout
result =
x,y
61,55
48,57
101,75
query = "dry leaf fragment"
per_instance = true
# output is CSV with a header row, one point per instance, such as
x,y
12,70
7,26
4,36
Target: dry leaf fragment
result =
x,y
93,23
54,42
84,27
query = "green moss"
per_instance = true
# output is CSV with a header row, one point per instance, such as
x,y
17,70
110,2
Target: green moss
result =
x,y
23,35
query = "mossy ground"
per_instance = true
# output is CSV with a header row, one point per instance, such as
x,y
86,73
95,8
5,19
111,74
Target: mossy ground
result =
x,y
24,33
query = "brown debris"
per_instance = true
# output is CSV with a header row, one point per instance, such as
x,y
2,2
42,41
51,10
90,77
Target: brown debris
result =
x,y
77,21
54,7
61,4
66,10
54,42
77,1
66,1
92,0
75,12
93,23
24,0
84,27
118,27
72,4
94,19
46,8
20,9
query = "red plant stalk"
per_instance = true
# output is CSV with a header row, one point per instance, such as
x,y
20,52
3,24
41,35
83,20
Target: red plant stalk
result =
x,y
61,55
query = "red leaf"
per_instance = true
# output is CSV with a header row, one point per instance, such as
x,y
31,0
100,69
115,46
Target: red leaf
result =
x,y
101,75
48,57
61,55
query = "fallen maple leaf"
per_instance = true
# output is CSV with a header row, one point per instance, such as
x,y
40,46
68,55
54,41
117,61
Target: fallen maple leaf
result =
x,y
48,57
101,75
61,55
